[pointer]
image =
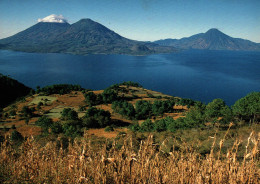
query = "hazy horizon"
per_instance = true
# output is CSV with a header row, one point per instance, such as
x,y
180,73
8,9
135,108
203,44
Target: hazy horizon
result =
x,y
144,20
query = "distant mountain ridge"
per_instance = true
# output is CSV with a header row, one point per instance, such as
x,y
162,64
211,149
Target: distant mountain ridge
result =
x,y
213,39
83,37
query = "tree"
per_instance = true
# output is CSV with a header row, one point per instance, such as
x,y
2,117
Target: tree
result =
x,y
96,118
69,114
91,98
143,109
44,122
185,101
109,129
59,89
56,128
130,83
159,107
27,121
39,105
147,126
160,125
227,115
13,127
195,117
27,112
109,95
248,107
124,108
12,113
134,127
71,128
217,110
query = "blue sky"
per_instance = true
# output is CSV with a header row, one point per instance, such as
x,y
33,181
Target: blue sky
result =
x,y
141,19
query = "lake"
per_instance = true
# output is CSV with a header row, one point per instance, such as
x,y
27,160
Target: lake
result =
x,y
196,74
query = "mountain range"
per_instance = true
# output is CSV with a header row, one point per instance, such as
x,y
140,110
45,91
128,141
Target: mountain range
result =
x,y
89,37
213,39
83,37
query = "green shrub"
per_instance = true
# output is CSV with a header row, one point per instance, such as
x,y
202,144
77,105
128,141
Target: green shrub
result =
x,y
147,126
69,114
12,113
130,83
92,99
109,95
16,136
216,109
124,108
134,127
44,122
72,128
82,108
143,109
109,129
56,128
96,118
27,112
160,125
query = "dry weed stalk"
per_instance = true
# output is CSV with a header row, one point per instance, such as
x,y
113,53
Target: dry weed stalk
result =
x,y
150,164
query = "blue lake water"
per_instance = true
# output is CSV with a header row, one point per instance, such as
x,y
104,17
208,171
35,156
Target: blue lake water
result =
x,y
195,74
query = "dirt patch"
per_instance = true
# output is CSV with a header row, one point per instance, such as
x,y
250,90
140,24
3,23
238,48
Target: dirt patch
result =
x,y
180,107
101,132
98,92
29,130
74,99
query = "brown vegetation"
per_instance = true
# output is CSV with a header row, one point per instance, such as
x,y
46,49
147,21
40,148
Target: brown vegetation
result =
x,y
83,162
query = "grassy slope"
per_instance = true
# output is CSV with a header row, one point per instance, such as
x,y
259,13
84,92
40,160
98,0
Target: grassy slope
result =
x,y
54,104
188,156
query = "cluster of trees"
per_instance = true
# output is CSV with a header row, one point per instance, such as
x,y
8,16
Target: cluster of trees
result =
x,y
247,109
166,124
185,102
143,108
127,84
108,96
59,89
71,125
130,83
69,114
124,108
96,118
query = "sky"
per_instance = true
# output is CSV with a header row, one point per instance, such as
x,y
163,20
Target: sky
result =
x,y
144,20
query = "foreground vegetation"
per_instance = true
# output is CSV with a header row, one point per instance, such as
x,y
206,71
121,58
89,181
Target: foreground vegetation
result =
x,y
128,134
83,162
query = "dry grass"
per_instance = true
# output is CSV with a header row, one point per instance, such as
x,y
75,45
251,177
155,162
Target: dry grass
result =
x,y
100,132
83,162
43,99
